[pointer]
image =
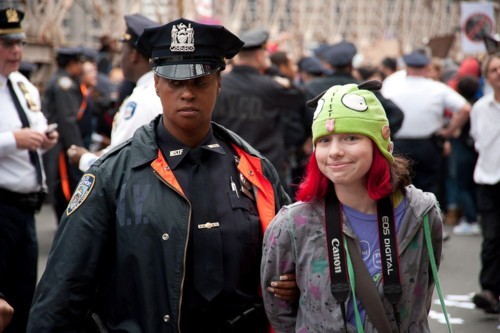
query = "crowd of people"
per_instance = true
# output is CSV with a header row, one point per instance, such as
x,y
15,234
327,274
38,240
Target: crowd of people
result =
x,y
206,182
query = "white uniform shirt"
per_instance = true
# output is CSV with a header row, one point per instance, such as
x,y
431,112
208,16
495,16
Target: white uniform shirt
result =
x,y
392,81
423,102
17,173
136,110
485,130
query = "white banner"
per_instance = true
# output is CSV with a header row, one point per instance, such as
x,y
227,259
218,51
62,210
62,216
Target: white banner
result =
x,y
476,19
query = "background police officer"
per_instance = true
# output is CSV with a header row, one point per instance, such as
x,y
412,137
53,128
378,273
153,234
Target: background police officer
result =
x,y
22,181
64,103
262,111
141,106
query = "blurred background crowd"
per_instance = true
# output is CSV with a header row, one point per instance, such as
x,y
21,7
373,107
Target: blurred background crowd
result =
x,y
302,44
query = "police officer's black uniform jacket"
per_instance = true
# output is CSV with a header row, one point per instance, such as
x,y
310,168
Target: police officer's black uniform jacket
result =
x,y
123,239
61,102
261,111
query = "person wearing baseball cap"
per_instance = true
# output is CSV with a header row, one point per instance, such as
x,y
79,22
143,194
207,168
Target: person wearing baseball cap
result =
x,y
354,190
147,242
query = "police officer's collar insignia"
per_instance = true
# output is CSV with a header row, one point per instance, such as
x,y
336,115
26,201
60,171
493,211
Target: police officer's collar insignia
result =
x,y
214,147
176,152
12,16
81,193
182,38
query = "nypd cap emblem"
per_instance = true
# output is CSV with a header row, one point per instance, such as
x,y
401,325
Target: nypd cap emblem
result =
x,y
81,193
182,38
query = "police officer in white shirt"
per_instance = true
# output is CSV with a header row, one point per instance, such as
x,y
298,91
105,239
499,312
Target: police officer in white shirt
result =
x,y
423,102
23,137
141,106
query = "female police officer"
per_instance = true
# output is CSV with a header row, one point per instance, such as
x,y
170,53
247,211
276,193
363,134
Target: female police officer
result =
x,y
154,240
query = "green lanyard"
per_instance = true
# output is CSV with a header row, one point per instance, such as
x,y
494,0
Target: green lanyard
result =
x,y
350,270
430,249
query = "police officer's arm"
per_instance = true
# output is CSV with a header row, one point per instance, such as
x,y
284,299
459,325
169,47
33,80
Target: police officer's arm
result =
x,y
458,119
63,296
277,254
6,313
66,107
285,287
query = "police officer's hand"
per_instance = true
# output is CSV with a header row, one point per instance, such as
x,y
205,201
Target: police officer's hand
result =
x,y
75,153
6,313
285,288
50,139
27,138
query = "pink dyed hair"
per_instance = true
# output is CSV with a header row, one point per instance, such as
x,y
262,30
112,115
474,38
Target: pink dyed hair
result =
x,y
315,183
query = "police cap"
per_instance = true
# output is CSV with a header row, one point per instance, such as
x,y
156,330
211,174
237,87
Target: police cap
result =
x,y
10,24
77,53
312,65
416,59
136,23
340,54
184,49
89,53
255,38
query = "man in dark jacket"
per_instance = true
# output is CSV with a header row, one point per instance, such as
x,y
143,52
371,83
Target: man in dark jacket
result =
x,y
263,111
164,233
65,104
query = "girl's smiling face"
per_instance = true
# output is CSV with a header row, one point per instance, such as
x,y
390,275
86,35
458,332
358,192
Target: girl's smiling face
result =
x,y
345,158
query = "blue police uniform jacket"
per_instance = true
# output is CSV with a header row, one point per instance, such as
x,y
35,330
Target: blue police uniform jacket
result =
x,y
120,249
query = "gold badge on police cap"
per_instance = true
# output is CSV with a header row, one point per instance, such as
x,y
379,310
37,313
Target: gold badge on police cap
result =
x,y
182,38
12,16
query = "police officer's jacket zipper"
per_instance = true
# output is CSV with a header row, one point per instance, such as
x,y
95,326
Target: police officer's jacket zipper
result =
x,y
183,275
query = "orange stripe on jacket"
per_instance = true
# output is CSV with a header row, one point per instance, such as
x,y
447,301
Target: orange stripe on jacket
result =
x,y
251,168
83,106
63,173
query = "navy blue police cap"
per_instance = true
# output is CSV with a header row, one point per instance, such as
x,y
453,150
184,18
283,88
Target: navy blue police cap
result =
x,y
184,49
320,50
73,52
340,54
312,65
89,53
10,24
255,38
416,59
136,23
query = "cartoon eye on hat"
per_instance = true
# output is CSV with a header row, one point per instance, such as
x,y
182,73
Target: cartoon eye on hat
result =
x,y
354,102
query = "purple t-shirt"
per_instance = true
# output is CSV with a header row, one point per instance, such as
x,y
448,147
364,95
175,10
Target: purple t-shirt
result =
x,y
365,227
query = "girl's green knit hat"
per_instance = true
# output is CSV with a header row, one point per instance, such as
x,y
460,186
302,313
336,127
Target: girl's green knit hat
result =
x,y
352,108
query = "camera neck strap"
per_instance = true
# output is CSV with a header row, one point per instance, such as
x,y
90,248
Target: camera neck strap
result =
x,y
337,257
